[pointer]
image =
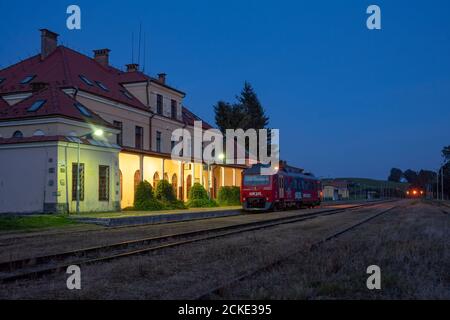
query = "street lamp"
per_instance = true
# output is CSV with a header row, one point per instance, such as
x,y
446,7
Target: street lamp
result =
x,y
97,133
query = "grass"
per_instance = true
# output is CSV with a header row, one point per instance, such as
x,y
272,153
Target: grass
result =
x,y
132,213
34,222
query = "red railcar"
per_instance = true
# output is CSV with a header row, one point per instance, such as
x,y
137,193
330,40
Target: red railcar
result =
x,y
288,188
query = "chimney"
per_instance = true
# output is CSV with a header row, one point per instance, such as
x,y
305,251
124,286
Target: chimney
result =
x,y
102,56
162,78
132,67
38,86
49,42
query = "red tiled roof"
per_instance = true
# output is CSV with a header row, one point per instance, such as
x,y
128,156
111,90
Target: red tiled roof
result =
x,y
57,103
64,67
189,118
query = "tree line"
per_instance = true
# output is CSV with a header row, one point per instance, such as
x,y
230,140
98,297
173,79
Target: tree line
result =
x,y
425,178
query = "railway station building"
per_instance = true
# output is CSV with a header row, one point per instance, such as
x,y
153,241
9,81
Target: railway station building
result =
x,y
60,109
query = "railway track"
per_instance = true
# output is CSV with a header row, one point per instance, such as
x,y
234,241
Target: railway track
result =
x,y
219,290
43,265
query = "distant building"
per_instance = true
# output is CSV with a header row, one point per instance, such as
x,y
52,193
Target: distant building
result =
x,y
334,190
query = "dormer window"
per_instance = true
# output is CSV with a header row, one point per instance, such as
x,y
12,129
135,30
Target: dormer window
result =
x,y
85,112
27,79
86,80
102,86
2,79
17,134
36,105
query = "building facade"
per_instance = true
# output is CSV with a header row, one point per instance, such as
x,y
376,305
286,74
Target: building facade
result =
x,y
61,110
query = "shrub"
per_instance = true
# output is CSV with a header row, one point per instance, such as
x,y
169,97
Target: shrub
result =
x,y
197,192
164,192
143,197
229,196
201,203
198,198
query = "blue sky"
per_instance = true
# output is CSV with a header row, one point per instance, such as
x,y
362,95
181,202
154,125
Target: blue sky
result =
x,y
348,101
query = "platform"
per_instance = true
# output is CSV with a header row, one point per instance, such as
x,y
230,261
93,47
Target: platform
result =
x,y
132,218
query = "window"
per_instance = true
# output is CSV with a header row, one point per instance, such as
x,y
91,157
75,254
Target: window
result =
x,y
74,181
137,179
85,112
86,80
127,94
17,134
38,133
158,141
36,105
119,126
2,79
139,137
255,180
155,179
173,109
103,183
172,145
102,86
27,79
159,104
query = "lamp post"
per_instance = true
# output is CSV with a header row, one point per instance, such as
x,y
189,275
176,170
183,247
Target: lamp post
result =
x,y
98,133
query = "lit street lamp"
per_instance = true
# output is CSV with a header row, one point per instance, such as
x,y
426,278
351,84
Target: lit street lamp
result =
x,y
98,133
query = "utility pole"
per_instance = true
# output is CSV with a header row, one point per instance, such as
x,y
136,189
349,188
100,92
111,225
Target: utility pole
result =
x,y
442,182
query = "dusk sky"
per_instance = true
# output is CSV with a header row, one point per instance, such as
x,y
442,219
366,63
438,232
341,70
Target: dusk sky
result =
x,y
349,102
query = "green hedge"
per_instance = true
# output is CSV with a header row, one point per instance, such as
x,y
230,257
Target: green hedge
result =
x,y
229,196
144,199
198,198
164,191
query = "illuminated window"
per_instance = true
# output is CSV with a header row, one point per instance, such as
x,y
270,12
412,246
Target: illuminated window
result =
x,y
137,179
103,183
155,179
36,105
74,181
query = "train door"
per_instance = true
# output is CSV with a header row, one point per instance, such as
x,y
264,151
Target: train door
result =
x,y
281,187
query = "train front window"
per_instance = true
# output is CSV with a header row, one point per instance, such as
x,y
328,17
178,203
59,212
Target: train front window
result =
x,y
256,180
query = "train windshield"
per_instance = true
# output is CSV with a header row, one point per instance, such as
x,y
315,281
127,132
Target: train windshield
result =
x,y
255,180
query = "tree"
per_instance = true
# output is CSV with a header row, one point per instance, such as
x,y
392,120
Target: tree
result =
x,y
246,113
425,177
396,175
410,176
255,115
446,153
229,116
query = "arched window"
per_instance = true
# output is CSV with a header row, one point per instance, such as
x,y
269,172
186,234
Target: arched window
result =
x,y
137,179
17,134
188,185
166,177
39,133
174,183
120,184
155,179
